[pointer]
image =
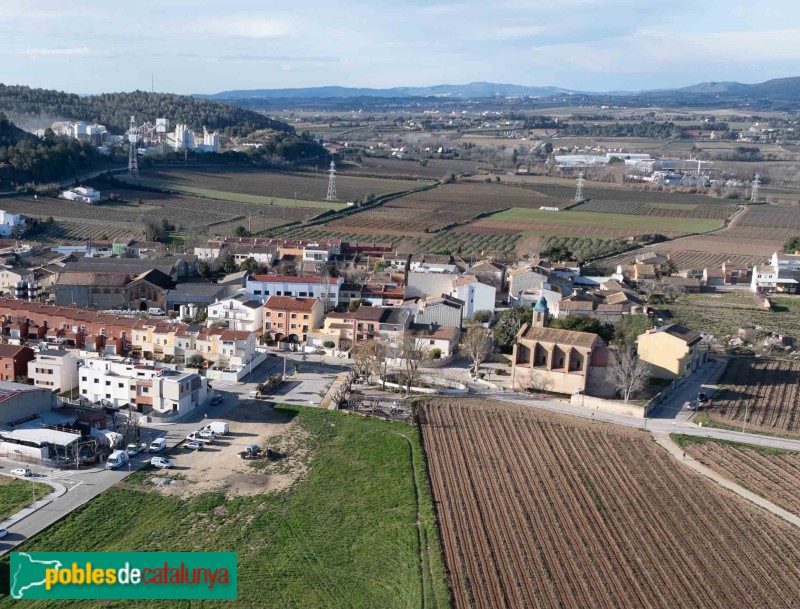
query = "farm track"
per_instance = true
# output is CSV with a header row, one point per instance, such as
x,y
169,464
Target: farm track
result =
x,y
545,511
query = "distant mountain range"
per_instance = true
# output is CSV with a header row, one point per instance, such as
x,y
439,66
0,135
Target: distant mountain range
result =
x,y
786,89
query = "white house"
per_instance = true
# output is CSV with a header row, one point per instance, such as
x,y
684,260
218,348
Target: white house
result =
x,y
476,296
261,287
145,388
82,193
54,369
781,275
8,222
240,312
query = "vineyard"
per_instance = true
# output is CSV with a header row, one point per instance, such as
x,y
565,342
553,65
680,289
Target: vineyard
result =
x,y
710,211
543,511
760,393
771,473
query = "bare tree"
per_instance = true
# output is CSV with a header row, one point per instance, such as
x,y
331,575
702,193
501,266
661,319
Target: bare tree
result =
x,y
477,344
628,373
412,352
362,362
376,355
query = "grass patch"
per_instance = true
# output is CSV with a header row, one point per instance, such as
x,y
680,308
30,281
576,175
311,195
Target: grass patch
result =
x,y
16,494
684,441
656,224
238,197
345,535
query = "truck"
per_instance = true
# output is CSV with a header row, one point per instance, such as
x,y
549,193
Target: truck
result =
x,y
251,451
157,445
220,428
117,459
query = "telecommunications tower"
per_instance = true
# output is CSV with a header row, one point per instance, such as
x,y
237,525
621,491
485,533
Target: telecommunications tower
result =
x,y
332,183
579,189
133,155
754,189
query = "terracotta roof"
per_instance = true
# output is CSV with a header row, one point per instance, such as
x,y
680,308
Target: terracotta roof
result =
x,y
465,280
437,332
290,303
12,350
561,337
291,279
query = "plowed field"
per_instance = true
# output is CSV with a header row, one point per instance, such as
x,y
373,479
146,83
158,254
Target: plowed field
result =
x,y
541,511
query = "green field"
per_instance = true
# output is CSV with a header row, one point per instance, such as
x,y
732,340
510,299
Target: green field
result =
x,y
16,494
238,197
655,224
347,534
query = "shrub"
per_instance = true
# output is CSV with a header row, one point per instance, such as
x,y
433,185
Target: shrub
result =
x,y
435,353
329,344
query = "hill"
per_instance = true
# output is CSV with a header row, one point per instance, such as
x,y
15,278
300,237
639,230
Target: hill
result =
x,y
115,109
473,89
10,134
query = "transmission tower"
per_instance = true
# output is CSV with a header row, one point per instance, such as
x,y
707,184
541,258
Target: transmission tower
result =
x,y
332,183
579,189
133,155
754,189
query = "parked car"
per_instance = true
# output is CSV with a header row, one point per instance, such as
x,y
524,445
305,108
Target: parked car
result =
x,y
194,445
3,533
690,405
196,437
25,472
161,463
702,397
206,433
133,449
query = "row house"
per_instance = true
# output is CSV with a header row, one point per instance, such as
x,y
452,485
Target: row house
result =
x,y
291,319
380,295
54,369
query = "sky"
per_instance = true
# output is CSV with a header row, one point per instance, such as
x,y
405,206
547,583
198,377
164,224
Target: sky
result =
x,y
197,46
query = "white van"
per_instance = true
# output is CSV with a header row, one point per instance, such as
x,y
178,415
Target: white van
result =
x,y
157,445
117,459
220,428
156,311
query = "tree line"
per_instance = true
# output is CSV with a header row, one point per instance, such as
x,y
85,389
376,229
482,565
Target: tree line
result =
x,y
645,129
114,110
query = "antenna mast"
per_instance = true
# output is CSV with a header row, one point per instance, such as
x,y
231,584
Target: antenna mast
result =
x,y
331,183
754,189
579,189
133,160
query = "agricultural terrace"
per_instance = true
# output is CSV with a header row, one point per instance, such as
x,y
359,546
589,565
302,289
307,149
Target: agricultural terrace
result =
x,y
541,511
721,314
356,530
589,223
16,494
265,187
759,394
770,472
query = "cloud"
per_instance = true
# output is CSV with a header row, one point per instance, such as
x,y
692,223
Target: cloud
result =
x,y
242,26
56,52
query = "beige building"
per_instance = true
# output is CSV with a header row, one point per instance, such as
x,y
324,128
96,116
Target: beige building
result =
x,y
672,351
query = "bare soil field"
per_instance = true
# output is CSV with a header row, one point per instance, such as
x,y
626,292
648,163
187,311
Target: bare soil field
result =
x,y
219,467
279,184
542,511
719,210
760,393
773,474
